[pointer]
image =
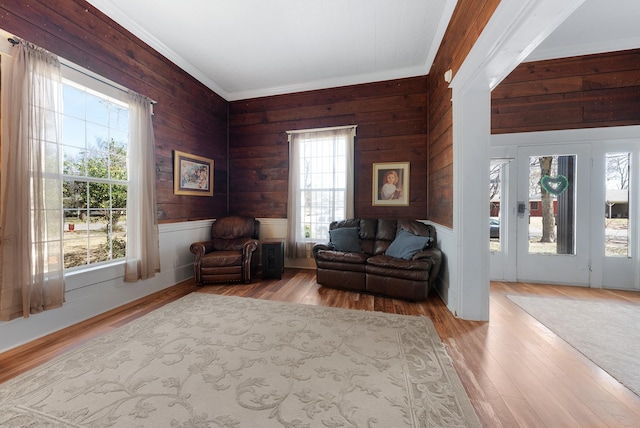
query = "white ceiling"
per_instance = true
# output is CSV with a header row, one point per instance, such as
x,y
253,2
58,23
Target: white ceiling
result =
x,y
249,48
595,27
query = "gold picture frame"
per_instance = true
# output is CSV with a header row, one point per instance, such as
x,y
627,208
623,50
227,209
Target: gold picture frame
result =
x,y
192,175
391,184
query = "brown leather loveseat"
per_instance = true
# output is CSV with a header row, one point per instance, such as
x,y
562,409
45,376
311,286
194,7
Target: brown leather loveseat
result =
x,y
394,258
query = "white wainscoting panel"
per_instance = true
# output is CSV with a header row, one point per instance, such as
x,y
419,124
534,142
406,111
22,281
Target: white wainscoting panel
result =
x,y
92,292
446,243
275,229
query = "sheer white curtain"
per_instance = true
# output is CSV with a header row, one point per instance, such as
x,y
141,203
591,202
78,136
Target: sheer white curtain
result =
x,y
143,253
31,231
298,245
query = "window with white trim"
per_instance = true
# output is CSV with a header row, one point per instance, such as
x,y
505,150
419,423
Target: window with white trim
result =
x,y
320,185
323,183
94,146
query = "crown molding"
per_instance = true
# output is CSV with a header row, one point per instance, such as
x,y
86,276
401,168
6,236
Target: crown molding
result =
x,y
419,70
117,15
590,48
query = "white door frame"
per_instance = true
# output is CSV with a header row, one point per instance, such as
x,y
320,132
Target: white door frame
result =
x,y
515,29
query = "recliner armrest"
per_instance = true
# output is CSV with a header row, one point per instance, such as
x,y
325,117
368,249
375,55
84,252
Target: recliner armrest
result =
x,y
249,247
201,248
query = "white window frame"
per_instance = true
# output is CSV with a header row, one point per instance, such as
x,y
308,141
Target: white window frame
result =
x,y
297,217
81,276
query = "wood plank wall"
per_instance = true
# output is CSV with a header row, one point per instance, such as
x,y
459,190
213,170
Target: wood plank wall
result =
x,y
601,90
468,20
188,117
392,126
578,92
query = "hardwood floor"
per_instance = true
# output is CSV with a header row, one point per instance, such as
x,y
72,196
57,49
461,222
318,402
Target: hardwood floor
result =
x,y
517,373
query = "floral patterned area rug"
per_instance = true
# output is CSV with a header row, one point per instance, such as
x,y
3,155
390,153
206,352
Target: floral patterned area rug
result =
x,y
219,361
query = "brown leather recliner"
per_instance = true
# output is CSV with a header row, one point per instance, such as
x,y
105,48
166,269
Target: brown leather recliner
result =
x,y
230,255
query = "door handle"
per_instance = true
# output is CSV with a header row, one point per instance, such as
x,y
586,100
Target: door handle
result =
x,y
521,208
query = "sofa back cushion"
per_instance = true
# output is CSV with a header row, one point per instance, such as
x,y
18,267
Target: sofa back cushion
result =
x,y
385,234
368,233
376,234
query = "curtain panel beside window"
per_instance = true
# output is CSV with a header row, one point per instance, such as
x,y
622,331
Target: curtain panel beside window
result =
x,y
143,252
32,277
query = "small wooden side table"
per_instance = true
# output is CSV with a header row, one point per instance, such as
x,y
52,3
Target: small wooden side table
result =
x,y
272,259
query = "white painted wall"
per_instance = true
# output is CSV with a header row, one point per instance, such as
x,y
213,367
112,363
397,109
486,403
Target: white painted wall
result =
x,y
446,243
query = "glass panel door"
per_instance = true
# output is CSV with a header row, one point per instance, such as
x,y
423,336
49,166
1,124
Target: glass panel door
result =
x,y
553,217
552,191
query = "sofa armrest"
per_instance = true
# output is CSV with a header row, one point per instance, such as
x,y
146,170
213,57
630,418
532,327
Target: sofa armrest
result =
x,y
435,255
429,253
318,247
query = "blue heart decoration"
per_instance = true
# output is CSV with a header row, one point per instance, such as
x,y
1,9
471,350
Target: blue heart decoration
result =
x,y
555,185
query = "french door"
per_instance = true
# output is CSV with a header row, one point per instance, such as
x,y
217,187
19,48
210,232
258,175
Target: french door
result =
x,y
553,214
592,198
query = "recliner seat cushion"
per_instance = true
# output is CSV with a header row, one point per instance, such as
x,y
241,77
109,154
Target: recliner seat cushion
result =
x,y
342,257
414,270
222,258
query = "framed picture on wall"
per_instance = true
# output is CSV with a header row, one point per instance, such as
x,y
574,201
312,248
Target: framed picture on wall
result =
x,y
192,175
391,183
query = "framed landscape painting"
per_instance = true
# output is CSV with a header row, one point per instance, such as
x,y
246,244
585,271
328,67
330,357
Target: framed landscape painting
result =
x,y
391,183
192,175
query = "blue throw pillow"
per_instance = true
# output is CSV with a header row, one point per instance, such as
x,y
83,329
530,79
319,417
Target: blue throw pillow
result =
x,y
406,245
345,239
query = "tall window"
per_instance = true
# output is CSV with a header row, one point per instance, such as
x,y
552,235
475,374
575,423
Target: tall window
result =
x,y
496,200
94,147
320,185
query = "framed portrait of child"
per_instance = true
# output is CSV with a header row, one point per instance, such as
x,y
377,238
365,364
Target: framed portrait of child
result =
x,y
391,183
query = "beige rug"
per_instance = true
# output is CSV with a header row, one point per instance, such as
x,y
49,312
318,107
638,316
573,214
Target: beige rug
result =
x,y
218,361
606,332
